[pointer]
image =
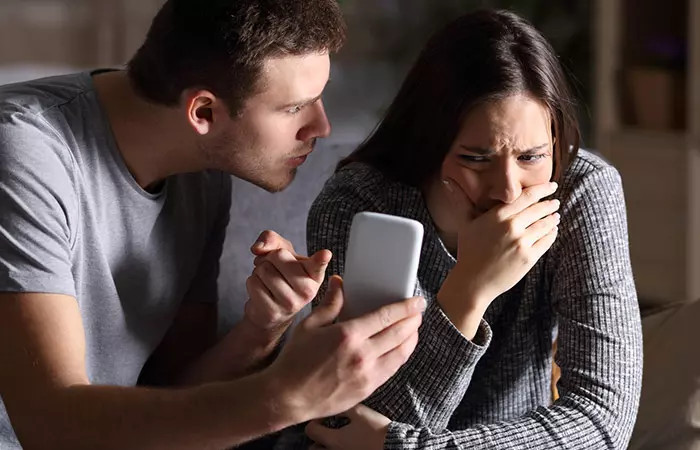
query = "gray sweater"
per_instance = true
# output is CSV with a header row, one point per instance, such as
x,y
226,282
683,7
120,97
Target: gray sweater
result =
x,y
494,392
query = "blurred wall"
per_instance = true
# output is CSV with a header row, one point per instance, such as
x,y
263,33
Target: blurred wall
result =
x,y
384,35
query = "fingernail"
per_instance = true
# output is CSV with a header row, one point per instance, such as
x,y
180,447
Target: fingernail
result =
x,y
420,304
554,185
328,258
335,282
259,245
448,185
557,216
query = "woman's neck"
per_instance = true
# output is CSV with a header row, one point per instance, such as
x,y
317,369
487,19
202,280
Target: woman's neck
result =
x,y
440,211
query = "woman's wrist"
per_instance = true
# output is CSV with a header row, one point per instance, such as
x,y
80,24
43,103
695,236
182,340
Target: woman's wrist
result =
x,y
464,306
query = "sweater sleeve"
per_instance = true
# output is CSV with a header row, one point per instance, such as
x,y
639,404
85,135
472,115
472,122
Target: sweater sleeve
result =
x,y
600,340
429,387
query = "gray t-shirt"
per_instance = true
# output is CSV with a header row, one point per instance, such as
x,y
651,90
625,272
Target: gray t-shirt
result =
x,y
74,221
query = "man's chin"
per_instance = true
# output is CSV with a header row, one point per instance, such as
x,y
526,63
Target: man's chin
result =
x,y
278,184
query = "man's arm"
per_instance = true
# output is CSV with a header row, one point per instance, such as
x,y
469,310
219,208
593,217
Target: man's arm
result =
x,y
280,286
190,354
51,404
45,387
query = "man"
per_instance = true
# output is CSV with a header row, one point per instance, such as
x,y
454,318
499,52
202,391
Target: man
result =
x,y
114,205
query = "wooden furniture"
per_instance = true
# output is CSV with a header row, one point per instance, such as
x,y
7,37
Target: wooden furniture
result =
x,y
647,123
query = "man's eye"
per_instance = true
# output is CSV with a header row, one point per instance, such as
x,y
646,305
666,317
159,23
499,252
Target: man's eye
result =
x,y
473,158
294,110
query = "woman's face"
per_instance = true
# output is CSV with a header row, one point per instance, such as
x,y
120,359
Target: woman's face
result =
x,y
503,147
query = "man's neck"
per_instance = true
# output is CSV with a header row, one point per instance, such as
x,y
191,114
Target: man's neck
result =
x,y
151,138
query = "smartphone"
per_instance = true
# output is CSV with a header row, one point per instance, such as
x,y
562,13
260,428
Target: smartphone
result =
x,y
381,262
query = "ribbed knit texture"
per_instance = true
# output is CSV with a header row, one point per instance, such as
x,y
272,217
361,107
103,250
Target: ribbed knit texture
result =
x,y
494,392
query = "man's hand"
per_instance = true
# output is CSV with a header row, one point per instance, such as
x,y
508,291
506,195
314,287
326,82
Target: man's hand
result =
x,y
366,431
326,368
282,282
280,286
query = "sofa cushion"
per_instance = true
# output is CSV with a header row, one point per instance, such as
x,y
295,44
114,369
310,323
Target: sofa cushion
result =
x,y
669,412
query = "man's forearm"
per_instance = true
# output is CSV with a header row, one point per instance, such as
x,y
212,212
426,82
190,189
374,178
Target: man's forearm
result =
x,y
213,416
244,350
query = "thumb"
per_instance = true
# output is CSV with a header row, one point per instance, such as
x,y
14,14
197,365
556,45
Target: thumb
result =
x,y
362,413
315,265
326,312
366,412
269,241
460,200
355,412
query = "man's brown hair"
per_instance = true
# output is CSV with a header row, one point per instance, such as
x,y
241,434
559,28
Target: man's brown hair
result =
x,y
221,45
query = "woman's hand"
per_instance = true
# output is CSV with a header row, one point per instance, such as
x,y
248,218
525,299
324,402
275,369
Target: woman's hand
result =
x,y
495,250
366,431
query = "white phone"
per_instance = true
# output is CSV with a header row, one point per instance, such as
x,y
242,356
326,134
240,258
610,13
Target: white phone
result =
x,y
381,262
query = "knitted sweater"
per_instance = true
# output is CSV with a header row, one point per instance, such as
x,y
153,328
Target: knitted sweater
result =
x,y
494,392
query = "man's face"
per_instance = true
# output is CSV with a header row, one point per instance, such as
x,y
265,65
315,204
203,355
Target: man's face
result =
x,y
277,127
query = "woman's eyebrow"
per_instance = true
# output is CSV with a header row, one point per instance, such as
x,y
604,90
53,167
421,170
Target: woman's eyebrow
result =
x,y
533,149
487,151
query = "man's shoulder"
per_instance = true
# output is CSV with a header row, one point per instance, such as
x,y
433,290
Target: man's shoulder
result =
x,y
34,98
51,118
31,111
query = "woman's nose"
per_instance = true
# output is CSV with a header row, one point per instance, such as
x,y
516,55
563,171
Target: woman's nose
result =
x,y
505,187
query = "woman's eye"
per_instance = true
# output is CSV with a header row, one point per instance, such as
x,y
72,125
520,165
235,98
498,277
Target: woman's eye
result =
x,y
531,158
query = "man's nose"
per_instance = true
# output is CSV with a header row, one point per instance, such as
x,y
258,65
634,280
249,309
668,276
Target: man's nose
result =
x,y
318,126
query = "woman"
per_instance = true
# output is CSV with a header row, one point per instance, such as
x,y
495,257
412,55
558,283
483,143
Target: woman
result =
x,y
470,146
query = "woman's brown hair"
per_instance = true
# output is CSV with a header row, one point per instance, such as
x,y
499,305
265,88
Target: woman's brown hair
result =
x,y
482,56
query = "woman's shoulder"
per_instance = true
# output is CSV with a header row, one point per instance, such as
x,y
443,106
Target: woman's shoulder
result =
x,y
587,161
589,174
363,176
362,183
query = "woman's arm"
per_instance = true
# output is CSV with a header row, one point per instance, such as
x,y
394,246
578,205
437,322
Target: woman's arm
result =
x,y
600,341
427,390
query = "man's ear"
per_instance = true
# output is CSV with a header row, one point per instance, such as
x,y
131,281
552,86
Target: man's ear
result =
x,y
203,108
